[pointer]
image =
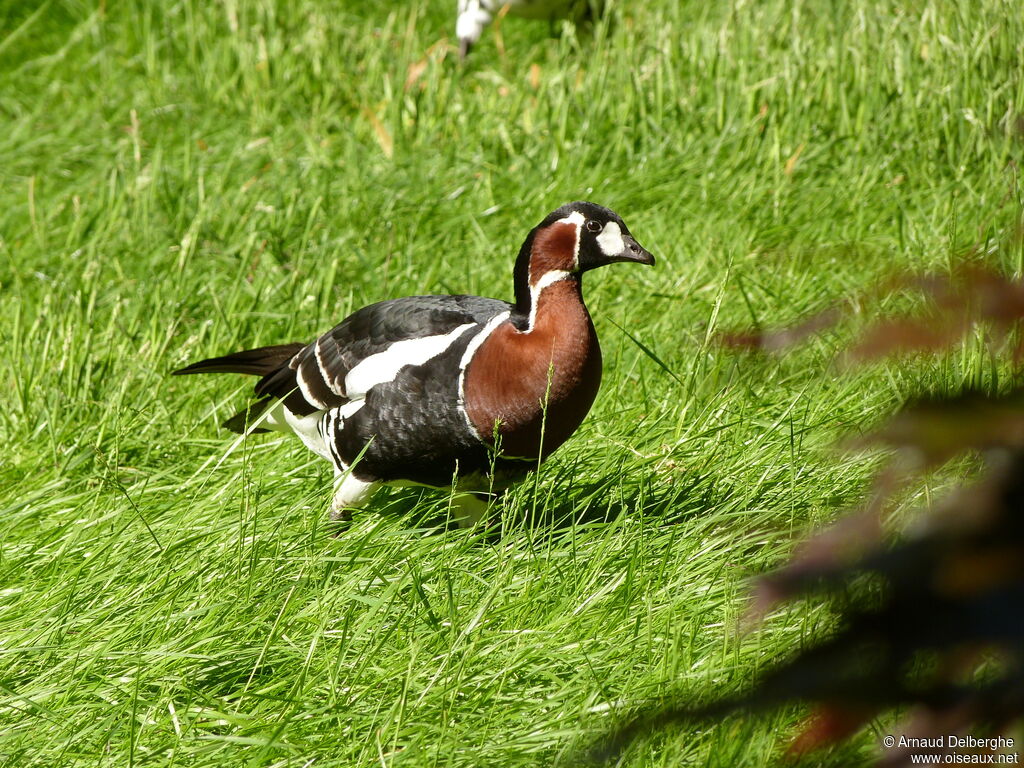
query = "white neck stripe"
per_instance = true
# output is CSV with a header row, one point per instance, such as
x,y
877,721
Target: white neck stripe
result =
x,y
548,278
467,357
576,219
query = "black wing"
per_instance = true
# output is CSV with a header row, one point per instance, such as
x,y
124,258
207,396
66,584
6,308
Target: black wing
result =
x,y
314,378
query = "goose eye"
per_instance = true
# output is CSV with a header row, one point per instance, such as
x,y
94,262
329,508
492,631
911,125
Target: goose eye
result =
x,y
593,226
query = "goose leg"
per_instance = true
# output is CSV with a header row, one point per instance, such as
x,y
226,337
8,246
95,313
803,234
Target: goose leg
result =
x,y
349,492
471,508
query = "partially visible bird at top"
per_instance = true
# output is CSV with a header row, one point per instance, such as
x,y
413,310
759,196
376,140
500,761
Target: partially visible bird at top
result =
x,y
475,15
443,390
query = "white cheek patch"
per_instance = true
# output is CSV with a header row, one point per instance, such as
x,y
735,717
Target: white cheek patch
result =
x,y
384,366
610,240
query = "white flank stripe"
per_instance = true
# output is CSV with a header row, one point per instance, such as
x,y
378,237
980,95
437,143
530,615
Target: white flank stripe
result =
x,y
318,431
332,422
467,356
610,239
349,409
384,366
304,389
318,351
326,427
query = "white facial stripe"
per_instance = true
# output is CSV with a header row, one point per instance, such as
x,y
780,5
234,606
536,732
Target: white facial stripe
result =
x,y
384,366
576,218
610,239
467,356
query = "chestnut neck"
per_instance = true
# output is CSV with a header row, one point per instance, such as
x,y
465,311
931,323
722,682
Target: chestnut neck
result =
x,y
547,249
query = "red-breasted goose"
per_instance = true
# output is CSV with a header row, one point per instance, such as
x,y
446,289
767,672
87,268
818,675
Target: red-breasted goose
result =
x,y
425,389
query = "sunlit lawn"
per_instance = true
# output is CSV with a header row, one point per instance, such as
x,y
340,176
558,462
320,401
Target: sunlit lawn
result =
x,y
183,179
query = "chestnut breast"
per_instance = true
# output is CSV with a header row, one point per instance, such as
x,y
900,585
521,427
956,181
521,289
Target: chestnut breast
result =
x,y
522,384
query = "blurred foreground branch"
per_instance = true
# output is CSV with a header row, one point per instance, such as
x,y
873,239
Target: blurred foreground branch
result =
x,y
938,625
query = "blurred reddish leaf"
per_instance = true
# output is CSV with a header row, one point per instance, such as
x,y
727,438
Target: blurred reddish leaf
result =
x,y
953,588
782,338
954,304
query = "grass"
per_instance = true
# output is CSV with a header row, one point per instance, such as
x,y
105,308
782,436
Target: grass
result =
x,y
180,179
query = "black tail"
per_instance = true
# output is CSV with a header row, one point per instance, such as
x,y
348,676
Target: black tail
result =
x,y
257,362
240,421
